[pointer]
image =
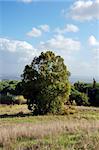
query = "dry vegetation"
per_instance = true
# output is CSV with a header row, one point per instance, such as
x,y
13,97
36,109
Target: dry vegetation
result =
x,y
10,109
79,131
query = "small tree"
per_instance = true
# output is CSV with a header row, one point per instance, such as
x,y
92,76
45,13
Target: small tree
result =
x,y
80,86
78,97
94,83
45,83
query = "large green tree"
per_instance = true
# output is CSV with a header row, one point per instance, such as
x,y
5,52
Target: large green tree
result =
x,y
45,83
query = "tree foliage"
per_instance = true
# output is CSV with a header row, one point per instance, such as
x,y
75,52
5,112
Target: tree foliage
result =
x,y
93,94
90,89
78,97
45,82
8,91
8,86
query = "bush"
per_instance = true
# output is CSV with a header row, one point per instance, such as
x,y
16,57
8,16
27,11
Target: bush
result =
x,y
78,97
6,99
10,99
82,99
93,94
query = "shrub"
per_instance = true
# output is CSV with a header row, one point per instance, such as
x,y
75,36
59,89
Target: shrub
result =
x,y
78,97
93,94
10,99
82,99
6,99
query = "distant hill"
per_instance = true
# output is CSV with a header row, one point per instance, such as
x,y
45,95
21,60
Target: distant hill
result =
x,y
83,79
9,77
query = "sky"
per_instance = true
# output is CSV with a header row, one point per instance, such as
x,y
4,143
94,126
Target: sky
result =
x,y
70,28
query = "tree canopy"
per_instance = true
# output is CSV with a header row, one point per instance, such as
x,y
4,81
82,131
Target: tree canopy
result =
x,y
45,83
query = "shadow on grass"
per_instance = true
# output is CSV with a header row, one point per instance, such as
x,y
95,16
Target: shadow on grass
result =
x,y
20,114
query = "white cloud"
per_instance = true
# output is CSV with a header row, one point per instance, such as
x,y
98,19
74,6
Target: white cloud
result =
x,y
44,27
67,28
26,1
71,28
20,49
92,41
34,32
59,42
14,45
84,10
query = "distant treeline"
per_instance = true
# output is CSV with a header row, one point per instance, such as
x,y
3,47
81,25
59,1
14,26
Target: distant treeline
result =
x,y
86,94
11,92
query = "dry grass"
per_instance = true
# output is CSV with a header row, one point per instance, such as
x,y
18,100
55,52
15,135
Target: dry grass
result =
x,y
13,109
11,133
70,132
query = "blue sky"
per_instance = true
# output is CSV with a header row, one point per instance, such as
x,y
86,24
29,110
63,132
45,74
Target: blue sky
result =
x,y
70,28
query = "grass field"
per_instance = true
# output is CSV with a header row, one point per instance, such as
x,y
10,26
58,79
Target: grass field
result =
x,y
19,130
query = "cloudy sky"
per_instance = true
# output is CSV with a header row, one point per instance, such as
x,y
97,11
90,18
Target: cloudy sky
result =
x,y
70,28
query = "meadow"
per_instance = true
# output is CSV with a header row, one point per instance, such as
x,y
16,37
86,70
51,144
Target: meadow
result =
x,y
76,130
